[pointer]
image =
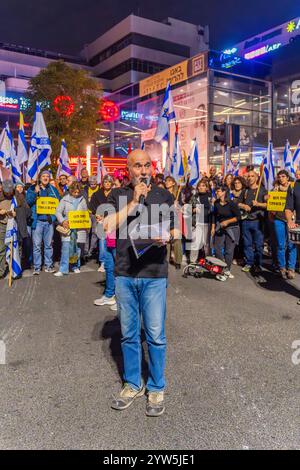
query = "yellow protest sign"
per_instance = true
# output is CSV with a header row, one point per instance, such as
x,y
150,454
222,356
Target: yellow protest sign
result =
x,y
79,219
46,205
276,201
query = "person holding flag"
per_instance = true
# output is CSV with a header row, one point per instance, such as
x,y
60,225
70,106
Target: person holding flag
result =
x,y
42,223
254,205
176,244
40,148
296,159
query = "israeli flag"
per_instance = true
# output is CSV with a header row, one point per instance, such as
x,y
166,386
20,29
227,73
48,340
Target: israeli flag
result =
x,y
231,167
101,170
237,168
296,159
177,170
16,171
12,234
269,171
22,154
2,152
166,115
193,163
234,168
8,154
40,148
168,166
63,164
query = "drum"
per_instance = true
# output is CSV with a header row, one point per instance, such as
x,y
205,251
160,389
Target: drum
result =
x,y
294,235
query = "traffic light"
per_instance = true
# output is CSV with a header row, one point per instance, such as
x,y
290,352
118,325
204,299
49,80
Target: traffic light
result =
x,y
234,135
227,134
222,136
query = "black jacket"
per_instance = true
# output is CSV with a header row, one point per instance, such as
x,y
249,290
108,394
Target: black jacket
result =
x,y
97,199
23,218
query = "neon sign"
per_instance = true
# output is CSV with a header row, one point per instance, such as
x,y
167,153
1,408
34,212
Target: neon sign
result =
x,y
262,50
293,26
9,102
231,63
230,51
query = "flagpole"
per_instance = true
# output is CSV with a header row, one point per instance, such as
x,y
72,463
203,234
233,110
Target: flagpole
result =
x,y
259,184
10,263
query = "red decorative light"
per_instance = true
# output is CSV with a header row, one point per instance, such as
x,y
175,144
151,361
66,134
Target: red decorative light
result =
x,y
64,105
109,111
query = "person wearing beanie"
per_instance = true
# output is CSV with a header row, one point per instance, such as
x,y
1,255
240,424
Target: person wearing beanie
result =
x,y
42,224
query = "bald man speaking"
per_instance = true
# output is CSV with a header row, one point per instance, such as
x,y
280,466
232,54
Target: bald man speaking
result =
x,y
141,282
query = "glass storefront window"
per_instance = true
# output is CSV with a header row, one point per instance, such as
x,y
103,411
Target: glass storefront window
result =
x,y
232,115
287,103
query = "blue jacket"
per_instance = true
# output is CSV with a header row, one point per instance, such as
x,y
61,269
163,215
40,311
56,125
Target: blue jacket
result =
x,y
31,196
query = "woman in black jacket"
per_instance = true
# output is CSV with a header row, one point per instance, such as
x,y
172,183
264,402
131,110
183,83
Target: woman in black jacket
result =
x,y
201,219
225,229
23,218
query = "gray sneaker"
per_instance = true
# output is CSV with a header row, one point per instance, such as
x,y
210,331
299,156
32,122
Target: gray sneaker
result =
x,y
155,404
126,397
50,269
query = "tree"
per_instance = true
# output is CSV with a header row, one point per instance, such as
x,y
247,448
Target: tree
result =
x,y
70,101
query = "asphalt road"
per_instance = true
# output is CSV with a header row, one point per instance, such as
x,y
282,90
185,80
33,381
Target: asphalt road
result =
x,y
231,380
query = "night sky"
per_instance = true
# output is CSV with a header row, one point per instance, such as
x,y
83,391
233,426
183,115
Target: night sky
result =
x,y
66,25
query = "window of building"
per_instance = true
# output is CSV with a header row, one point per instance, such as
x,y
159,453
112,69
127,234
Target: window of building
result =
x,y
133,64
143,41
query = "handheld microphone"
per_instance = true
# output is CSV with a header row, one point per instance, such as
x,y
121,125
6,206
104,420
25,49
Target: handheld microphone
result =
x,y
142,197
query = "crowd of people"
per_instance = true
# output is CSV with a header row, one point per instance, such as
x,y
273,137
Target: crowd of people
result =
x,y
224,216
229,219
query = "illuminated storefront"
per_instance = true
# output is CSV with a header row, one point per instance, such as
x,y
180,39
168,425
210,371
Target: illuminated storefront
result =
x,y
204,92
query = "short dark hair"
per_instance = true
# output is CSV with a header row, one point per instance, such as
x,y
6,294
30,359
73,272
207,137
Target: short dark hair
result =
x,y
75,186
283,172
240,179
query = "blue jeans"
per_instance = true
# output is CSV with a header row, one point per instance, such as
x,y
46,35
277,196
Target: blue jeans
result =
x,y
253,238
42,233
64,260
109,265
144,297
283,245
102,250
